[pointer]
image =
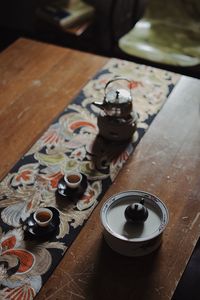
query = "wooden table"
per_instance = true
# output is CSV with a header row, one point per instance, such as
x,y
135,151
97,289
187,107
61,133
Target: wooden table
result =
x,y
165,163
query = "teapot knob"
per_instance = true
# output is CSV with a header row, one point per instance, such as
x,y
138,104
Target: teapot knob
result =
x,y
136,212
117,94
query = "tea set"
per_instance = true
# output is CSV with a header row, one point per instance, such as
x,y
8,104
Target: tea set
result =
x,y
45,220
133,221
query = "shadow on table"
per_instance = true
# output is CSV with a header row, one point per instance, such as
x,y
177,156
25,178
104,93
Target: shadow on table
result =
x,y
188,287
104,151
119,277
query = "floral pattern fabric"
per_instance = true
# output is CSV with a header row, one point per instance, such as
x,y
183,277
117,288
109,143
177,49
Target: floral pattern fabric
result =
x,y
68,144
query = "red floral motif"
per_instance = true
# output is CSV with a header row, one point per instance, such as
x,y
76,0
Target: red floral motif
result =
x,y
78,153
9,243
25,175
54,178
50,137
25,258
78,124
134,84
24,292
88,197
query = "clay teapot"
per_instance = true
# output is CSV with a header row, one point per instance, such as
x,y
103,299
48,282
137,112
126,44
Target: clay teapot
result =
x,y
116,120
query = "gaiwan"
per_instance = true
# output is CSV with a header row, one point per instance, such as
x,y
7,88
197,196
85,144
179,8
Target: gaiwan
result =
x,y
133,222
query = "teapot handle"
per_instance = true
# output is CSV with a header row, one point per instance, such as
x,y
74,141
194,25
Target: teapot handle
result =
x,y
115,79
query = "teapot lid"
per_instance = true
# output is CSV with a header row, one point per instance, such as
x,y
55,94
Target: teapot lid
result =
x,y
120,96
116,222
116,94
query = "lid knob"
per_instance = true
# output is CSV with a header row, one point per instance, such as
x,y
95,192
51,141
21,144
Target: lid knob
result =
x,y
136,212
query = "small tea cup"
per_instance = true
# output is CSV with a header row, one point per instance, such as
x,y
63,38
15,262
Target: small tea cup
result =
x,y
73,179
43,216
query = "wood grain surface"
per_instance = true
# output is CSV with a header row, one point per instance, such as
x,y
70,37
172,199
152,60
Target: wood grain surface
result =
x,y
36,83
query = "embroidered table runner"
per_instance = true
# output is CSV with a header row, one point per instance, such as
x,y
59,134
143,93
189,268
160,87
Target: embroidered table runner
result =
x,y
68,144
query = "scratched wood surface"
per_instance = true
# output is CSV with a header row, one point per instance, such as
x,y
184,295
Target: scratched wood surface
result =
x,y
34,76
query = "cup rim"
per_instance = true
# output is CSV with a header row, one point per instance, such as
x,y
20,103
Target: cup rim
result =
x,y
73,184
42,209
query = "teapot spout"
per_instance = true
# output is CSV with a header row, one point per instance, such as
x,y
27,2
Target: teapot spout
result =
x,y
99,105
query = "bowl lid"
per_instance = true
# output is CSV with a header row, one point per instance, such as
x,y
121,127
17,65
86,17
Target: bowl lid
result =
x,y
114,220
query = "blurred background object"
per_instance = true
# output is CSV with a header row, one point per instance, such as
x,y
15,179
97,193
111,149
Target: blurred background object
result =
x,y
160,34
168,34
97,24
